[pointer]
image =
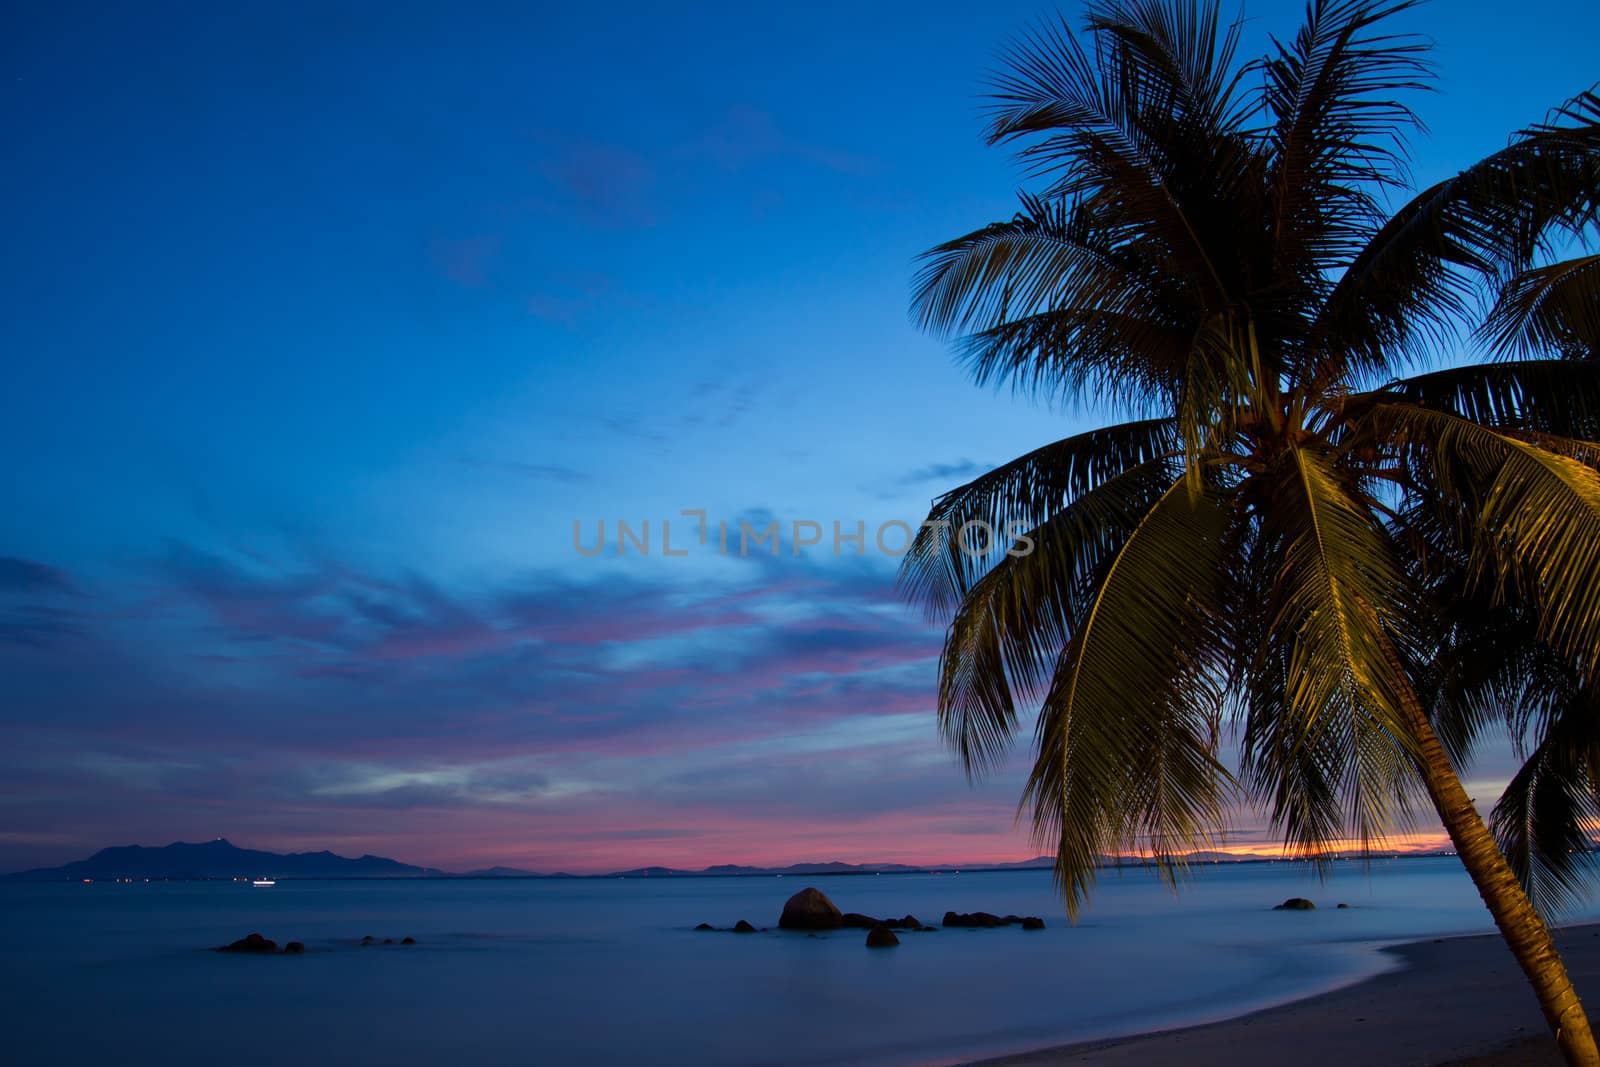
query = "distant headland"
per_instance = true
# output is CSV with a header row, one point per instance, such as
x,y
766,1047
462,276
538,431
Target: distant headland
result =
x,y
222,860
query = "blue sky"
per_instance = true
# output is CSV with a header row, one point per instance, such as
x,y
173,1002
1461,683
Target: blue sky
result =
x,y
325,323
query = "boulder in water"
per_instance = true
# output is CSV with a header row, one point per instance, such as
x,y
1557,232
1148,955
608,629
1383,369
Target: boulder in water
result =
x,y
250,943
1296,904
1032,922
881,937
705,926
810,909
294,948
742,927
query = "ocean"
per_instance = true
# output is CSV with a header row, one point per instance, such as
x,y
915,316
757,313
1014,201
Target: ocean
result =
x,y
595,971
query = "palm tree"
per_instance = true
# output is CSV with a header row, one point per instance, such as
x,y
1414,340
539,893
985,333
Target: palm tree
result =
x,y
1276,583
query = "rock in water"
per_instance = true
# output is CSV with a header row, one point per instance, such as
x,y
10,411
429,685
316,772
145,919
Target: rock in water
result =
x,y
810,909
1032,922
1296,904
408,941
250,943
705,926
742,927
853,920
881,937
294,948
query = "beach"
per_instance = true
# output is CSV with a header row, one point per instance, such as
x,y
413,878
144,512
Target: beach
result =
x,y
1459,1001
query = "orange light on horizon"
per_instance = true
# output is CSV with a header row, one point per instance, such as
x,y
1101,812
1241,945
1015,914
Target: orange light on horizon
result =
x,y
1403,844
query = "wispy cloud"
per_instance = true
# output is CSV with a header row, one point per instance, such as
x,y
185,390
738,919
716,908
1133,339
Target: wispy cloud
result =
x,y
744,136
540,472
40,604
962,470
609,185
29,576
467,261
317,689
568,298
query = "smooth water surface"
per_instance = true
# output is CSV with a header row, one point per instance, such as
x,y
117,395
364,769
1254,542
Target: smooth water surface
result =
x,y
535,972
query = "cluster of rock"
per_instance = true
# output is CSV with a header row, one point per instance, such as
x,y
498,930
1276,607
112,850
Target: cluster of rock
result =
x,y
1299,904
854,920
256,945
985,919
811,910
740,927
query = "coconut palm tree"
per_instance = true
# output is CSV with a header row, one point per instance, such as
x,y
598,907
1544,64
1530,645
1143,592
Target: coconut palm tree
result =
x,y
1274,583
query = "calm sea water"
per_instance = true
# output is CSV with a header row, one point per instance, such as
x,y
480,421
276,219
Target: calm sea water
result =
x,y
604,971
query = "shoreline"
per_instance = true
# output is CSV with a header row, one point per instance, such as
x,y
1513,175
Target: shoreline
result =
x,y
1452,1002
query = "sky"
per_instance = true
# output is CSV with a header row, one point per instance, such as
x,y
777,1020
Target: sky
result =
x,y
325,325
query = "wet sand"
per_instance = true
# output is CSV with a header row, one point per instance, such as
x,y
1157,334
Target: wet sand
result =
x,y
1459,1001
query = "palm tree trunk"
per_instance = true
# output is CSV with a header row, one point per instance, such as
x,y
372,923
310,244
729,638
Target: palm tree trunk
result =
x,y
1523,930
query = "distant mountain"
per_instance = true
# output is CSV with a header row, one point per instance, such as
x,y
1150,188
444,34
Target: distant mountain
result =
x,y
219,859
733,871
1036,863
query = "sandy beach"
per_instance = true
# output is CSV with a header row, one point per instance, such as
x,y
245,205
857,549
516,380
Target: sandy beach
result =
x,y
1460,1002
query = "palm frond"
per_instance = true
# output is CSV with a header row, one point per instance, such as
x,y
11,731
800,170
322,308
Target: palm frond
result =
x,y
1091,121
1323,719
1339,128
1544,819
1015,620
1554,308
1421,273
1128,732
937,570
1551,396
1489,667
1180,52
1530,513
1046,255
1052,305
1115,356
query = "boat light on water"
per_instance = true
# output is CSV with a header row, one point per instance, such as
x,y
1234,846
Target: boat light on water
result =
x,y
262,882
